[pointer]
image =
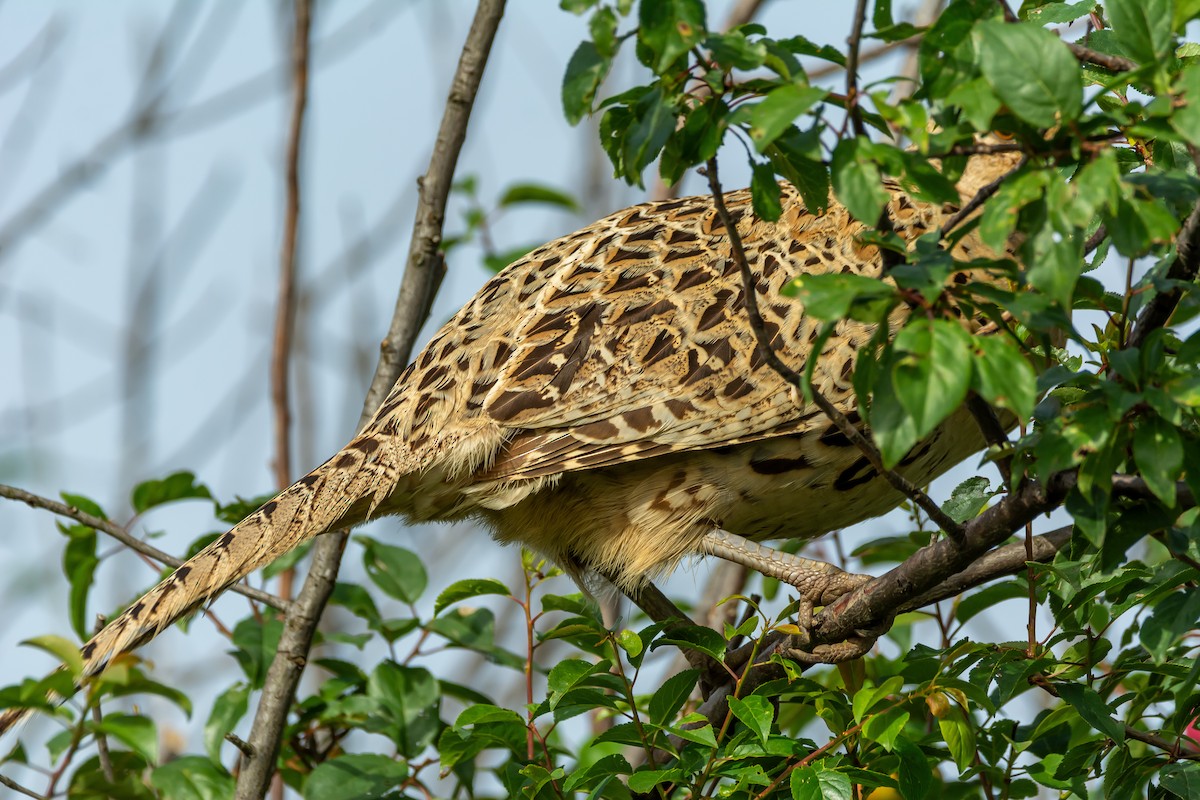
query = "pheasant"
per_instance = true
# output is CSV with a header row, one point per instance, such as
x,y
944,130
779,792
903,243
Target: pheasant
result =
x,y
603,401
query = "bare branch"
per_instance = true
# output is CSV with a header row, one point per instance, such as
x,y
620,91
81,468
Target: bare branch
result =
x,y
16,787
124,537
1103,60
854,42
1007,560
285,307
412,305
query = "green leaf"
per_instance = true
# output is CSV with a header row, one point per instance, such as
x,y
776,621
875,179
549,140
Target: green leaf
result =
x,y
85,504
136,732
756,713
536,193
669,28
915,773
892,426
585,72
671,696
644,780
397,571
630,642
834,296
192,778
79,565
653,124
959,735
410,698
816,782
255,643
1158,451
797,157
734,51
228,709
968,499
988,597
1031,70
774,115
603,28
355,776
1058,13
1173,616
1143,27
66,651
568,674
857,181
179,486
885,727
1092,709
1003,376
696,637
1186,119
765,193
471,587
1181,778
933,371
597,774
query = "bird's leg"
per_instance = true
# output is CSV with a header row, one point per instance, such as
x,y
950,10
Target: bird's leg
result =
x,y
819,583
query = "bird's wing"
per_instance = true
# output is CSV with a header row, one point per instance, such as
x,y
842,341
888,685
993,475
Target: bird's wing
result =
x,y
630,339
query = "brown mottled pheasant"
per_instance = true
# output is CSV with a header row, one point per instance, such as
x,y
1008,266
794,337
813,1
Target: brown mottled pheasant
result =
x,y
603,401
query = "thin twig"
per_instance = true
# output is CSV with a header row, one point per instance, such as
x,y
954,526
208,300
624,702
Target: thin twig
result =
x,y
285,308
993,433
898,481
854,42
981,197
98,718
419,281
1103,60
124,537
742,12
16,787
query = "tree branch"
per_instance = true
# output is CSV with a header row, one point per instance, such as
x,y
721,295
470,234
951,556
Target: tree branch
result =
x,y
1184,268
412,305
124,537
1103,60
285,308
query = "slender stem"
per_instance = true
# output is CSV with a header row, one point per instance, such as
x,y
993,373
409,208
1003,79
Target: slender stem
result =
x,y
18,788
412,306
854,42
106,765
285,307
124,537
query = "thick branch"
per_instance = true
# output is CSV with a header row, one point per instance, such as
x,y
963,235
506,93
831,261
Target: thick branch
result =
x,y
124,537
412,306
876,603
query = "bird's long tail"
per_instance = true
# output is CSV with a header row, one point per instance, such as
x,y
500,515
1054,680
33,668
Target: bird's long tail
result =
x,y
340,493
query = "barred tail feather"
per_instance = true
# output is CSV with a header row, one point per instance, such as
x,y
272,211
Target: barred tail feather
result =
x,y
338,494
